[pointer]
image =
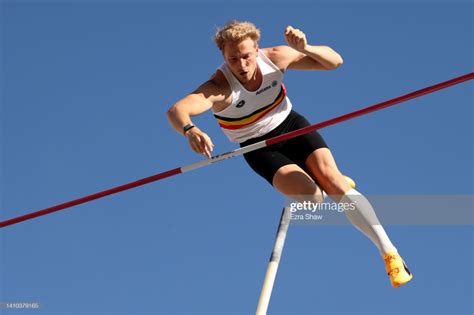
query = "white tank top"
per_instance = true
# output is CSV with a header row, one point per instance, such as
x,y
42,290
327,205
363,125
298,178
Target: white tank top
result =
x,y
253,114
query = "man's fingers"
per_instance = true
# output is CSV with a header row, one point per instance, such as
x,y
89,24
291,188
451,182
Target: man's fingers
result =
x,y
201,143
208,147
207,153
194,146
204,147
295,38
194,142
210,143
294,33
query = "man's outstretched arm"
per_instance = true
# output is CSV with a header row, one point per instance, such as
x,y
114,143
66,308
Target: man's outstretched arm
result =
x,y
179,115
302,56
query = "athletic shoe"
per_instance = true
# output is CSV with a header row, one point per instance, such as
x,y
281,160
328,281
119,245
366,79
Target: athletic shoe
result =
x,y
396,269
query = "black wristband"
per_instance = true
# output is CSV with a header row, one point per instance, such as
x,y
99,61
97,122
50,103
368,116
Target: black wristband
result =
x,y
187,127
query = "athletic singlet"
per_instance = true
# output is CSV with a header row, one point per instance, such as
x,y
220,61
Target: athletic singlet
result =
x,y
253,114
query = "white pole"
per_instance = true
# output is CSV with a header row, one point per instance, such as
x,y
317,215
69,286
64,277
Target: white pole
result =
x,y
273,263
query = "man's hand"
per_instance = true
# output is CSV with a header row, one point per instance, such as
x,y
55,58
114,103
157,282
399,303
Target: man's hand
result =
x,y
295,38
199,142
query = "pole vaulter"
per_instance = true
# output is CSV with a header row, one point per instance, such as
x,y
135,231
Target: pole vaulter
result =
x,y
240,151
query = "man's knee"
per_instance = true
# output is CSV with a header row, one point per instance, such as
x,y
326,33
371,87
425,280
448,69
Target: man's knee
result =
x,y
329,174
294,182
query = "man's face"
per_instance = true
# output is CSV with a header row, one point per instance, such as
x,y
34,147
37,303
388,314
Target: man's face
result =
x,y
242,59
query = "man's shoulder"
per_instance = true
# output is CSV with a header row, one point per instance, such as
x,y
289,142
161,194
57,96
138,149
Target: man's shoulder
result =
x,y
216,88
279,55
219,82
276,50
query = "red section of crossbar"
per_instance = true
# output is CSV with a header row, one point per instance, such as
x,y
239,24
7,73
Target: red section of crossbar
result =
x,y
85,199
270,141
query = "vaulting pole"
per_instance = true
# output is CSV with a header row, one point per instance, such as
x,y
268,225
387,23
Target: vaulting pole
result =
x,y
272,268
240,151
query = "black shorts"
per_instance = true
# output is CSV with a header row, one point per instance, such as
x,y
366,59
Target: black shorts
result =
x,y
266,161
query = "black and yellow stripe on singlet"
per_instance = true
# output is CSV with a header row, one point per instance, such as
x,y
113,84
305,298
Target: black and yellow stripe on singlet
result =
x,y
240,122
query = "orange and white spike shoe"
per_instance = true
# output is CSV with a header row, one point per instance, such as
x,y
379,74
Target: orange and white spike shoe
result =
x,y
397,270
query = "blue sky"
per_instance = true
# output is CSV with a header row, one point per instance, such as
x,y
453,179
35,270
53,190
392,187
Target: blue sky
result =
x,y
85,87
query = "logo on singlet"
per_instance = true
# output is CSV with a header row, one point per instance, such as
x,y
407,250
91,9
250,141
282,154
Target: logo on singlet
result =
x,y
240,104
274,83
263,90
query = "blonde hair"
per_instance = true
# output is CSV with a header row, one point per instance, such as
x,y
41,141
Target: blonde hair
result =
x,y
236,31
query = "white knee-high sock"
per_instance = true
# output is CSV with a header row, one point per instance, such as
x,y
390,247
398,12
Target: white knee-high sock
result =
x,y
363,217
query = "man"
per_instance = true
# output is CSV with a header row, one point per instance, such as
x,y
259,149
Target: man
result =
x,y
249,101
